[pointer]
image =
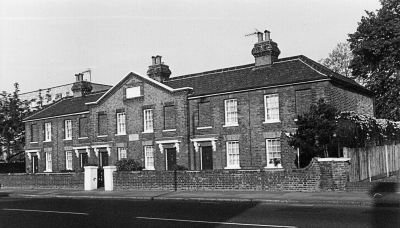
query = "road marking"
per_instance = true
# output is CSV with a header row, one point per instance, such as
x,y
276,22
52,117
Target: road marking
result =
x,y
223,223
58,212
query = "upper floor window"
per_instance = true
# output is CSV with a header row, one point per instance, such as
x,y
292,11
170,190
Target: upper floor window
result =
x,y
83,127
149,157
205,114
303,101
122,153
121,130
133,92
148,120
47,132
169,117
271,108
68,129
102,124
232,154
34,133
231,117
273,153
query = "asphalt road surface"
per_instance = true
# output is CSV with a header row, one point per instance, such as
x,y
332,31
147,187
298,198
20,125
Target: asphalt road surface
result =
x,y
57,212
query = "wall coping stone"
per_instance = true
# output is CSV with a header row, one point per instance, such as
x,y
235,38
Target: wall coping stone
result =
x,y
332,159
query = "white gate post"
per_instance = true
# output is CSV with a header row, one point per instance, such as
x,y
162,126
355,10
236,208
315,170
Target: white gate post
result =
x,y
108,177
90,177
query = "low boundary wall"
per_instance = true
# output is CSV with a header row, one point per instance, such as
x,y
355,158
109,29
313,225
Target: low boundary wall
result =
x,y
42,180
320,175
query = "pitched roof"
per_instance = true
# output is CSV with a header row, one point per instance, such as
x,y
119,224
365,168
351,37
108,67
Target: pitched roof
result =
x,y
66,106
284,71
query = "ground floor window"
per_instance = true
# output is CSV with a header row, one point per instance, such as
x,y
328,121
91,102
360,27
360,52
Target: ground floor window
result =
x,y
122,153
273,153
68,160
232,148
149,157
48,162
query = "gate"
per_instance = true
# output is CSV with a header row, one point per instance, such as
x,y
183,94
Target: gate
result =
x,y
100,177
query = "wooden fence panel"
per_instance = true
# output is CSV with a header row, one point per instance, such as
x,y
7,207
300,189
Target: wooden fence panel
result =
x,y
370,162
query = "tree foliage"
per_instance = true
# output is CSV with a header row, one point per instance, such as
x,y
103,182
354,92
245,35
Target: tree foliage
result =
x,y
339,60
12,129
315,132
376,57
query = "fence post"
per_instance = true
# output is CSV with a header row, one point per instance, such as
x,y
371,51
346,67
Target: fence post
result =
x,y
387,161
369,165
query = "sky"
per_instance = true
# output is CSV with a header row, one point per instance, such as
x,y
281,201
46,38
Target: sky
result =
x,y
44,43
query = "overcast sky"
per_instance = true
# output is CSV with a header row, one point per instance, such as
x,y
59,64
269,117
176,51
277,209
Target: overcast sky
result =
x,y
45,43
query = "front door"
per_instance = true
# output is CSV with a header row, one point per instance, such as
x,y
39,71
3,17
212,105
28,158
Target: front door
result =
x,y
206,158
171,157
34,164
103,161
83,159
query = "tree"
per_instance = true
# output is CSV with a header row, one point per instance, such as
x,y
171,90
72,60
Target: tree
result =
x,y
339,60
376,57
12,129
315,135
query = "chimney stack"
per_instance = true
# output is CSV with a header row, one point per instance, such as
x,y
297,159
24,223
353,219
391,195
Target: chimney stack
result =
x,y
265,52
158,70
81,87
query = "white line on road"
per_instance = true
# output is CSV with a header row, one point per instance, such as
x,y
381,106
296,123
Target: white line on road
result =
x,y
58,212
223,223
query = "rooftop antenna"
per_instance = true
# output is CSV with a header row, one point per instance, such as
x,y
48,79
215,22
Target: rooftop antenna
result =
x,y
90,73
253,33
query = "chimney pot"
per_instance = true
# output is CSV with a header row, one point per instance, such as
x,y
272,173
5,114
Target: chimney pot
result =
x,y
260,37
267,35
158,59
153,60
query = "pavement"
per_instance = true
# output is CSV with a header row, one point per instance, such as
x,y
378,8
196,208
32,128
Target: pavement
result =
x,y
391,199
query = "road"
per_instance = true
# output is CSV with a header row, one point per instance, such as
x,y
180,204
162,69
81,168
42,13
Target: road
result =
x,y
57,212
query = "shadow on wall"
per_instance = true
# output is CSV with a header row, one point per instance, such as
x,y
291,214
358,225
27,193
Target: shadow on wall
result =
x,y
386,211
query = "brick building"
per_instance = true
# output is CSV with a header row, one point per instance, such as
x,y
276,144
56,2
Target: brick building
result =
x,y
231,118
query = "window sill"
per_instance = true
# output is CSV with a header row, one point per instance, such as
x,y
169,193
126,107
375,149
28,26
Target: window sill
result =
x,y
47,141
271,121
102,136
168,130
83,137
47,171
34,142
232,167
149,169
274,167
201,128
147,132
231,125
120,134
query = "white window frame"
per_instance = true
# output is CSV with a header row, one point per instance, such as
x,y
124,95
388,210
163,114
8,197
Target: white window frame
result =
x,y
122,153
231,114
232,155
133,92
68,129
47,132
149,157
49,163
68,160
121,123
270,148
271,105
148,120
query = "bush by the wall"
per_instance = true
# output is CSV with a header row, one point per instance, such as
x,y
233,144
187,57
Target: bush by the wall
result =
x,y
128,165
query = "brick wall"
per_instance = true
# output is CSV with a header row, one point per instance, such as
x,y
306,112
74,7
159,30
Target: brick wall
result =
x,y
43,181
